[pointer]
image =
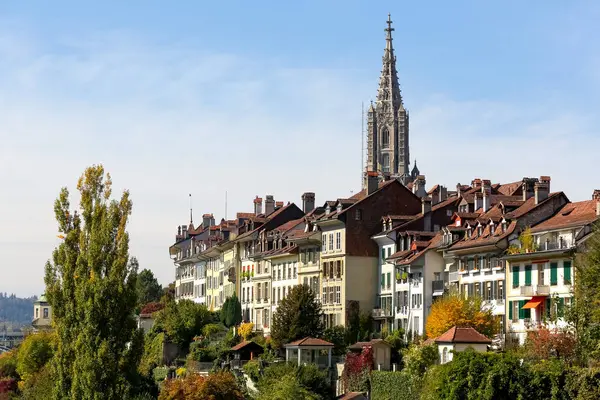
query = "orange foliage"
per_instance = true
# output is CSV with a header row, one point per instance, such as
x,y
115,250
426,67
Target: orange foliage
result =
x,y
454,310
545,343
217,386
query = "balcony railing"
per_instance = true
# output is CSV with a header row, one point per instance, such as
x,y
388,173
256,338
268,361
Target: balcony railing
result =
x,y
382,313
453,276
437,286
538,290
526,290
543,290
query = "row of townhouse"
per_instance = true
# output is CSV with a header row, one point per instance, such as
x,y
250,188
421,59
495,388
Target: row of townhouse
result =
x,y
477,252
392,250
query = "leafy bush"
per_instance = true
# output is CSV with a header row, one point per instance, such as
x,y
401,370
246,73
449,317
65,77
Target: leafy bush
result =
x,y
8,365
308,376
33,354
418,358
160,373
337,336
287,388
394,386
356,370
8,385
217,386
39,385
252,369
583,384
245,330
152,308
153,352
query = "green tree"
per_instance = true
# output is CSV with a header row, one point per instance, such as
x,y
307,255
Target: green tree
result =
x,y
337,336
231,312
288,387
584,314
147,287
299,315
309,377
34,353
90,285
181,321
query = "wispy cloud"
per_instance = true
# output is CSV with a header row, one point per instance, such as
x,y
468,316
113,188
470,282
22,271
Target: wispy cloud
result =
x,y
169,119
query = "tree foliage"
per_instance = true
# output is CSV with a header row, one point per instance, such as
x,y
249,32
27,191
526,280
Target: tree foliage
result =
x,y
544,344
147,287
337,336
245,330
357,369
419,358
584,314
231,312
454,310
181,321
217,386
8,365
90,285
309,377
288,387
34,353
299,315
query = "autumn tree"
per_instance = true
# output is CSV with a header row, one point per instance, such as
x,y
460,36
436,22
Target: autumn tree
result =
x,y
91,286
298,315
245,330
147,287
454,310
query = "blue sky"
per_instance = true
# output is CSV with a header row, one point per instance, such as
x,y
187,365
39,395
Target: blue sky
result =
x,y
264,98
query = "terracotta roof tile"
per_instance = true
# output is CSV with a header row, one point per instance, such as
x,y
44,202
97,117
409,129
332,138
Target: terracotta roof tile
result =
x,y
243,344
572,214
509,189
308,341
462,335
244,215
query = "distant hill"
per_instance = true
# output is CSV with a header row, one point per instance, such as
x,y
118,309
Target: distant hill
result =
x,y
16,310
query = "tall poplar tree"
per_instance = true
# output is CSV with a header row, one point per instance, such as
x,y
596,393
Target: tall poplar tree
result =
x,y
91,286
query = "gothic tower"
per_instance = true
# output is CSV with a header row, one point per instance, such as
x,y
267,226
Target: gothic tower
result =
x,y
387,122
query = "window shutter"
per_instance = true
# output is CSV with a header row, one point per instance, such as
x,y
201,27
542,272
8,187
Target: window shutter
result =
x,y
561,307
516,276
528,275
567,265
553,273
548,305
510,310
521,311
382,253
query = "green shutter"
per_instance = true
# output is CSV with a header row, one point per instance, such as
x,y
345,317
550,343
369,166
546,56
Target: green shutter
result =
x,y
389,278
382,280
521,311
553,273
527,312
548,306
567,265
561,307
516,276
528,275
382,253
510,310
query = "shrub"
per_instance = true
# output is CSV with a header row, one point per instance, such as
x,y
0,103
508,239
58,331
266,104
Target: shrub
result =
x,y
8,365
39,385
8,385
394,386
153,353
33,354
160,373
252,369
583,384
418,358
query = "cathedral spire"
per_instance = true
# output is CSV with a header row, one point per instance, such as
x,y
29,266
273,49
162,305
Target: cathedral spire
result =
x,y
389,88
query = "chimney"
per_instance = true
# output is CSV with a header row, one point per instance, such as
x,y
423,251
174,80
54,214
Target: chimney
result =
x,y
426,211
458,189
596,196
184,232
278,204
178,237
269,205
308,202
443,193
419,186
476,183
486,190
528,187
372,182
542,189
257,205
478,201
208,220
439,194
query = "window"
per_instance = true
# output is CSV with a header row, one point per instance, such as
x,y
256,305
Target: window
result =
x,y
295,271
338,296
385,139
416,325
382,254
500,290
567,272
528,275
330,241
338,240
515,276
541,279
358,214
278,295
385,162
324,295
266,322
331,295
389,251
445,355
553,274
382,281
37,313
389,280
45,312
324,244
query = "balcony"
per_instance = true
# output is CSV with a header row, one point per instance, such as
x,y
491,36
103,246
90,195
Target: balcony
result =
x,y
382,313
402,310
437,286
526,290
453,276
543,290
538,290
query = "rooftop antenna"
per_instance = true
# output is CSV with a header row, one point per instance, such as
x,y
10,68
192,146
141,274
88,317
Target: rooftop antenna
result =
x,y
362,140
226,205
191,215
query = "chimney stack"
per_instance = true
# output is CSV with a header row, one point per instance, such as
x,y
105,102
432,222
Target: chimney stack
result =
x,y
542,189
478,201
528,188
258,205
419,186
184,232
308,202
596,196
269,204
426,211
486,190
278,204
208,220
372,182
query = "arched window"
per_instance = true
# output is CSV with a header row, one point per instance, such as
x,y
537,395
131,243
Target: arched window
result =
x,y
385,138
385,162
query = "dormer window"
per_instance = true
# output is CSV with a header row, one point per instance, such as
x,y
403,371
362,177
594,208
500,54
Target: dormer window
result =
x,y
314,228
306,227
503,226
468,233
492,228
479,230
339,207
327,209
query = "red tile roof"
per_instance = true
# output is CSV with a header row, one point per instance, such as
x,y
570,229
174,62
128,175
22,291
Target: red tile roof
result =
x,y
462,335
360,345
572,214
244,215
308,341
509,189
243,344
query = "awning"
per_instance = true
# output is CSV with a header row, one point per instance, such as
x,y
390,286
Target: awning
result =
x,y
534,302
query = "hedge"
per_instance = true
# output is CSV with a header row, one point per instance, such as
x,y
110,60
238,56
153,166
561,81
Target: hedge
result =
x,y
394,386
